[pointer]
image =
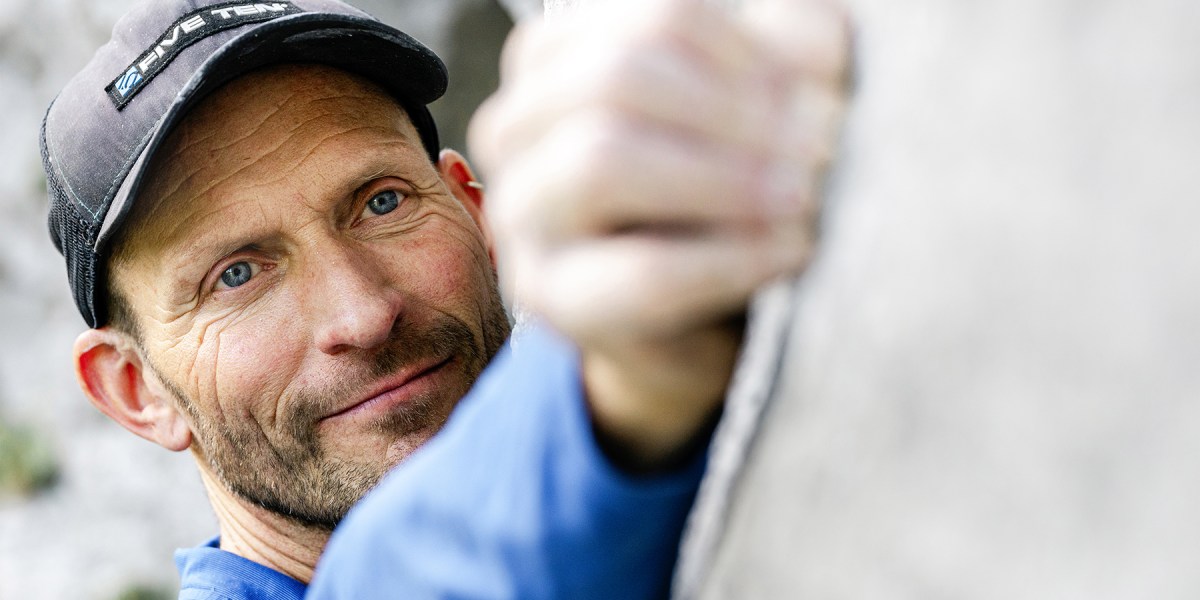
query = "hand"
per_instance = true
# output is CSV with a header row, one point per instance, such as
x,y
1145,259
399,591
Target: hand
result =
x,y
651,165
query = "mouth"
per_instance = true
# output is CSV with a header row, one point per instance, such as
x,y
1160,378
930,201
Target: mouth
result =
x,y
403,388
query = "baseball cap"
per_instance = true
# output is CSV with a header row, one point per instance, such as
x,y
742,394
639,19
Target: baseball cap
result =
x,y
164,57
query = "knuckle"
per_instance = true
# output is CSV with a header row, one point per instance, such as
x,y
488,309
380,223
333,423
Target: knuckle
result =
x,y
609,77
595,147
619,76
600,159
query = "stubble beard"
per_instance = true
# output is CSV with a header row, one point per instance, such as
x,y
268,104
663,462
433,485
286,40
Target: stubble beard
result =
x,y
296,477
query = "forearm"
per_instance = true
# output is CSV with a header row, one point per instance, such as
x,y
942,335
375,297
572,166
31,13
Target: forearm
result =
x,y
653,405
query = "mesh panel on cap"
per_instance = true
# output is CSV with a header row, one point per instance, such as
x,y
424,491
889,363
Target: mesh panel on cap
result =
x,y
74,236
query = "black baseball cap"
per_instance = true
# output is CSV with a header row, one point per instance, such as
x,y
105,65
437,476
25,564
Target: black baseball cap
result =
x,y
164,57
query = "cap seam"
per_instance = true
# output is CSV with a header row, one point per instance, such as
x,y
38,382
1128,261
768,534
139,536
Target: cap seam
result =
x,y
126,167
66,183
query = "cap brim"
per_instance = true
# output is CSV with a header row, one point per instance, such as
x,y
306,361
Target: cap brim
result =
x,y
398,63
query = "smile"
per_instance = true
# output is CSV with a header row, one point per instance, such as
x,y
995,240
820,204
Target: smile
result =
x,y
399,390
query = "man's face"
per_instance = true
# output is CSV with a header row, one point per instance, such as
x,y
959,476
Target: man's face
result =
x,y
308,287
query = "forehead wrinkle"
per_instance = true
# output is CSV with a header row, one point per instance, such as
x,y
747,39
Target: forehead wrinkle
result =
x,y
271,161
205,124
329,186
222,172
254,134
233,100
333,138
181,237
204,203
193,136
349,106
210,207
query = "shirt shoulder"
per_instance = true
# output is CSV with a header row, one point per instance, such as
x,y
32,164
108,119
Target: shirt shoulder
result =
x,y
199,594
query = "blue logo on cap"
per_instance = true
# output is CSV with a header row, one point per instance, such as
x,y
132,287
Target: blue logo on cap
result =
x,y
127,81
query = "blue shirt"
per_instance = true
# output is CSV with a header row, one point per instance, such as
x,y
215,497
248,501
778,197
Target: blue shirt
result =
x,y
208,573
512,499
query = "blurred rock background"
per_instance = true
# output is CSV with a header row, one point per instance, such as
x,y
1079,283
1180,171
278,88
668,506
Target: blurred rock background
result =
x,y
88,510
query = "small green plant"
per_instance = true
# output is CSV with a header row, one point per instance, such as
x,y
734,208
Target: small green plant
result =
x,y
27,463
143,591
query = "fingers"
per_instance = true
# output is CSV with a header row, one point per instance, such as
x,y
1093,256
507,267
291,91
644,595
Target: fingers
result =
x,y
654,87
650,167
669,59
596,176
614,227
644,286
682,64
693,26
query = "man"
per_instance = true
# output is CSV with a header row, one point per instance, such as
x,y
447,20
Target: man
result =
x,y
283,274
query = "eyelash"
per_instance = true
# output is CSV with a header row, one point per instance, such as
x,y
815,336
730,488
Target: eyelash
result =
x,y
387,184
257,267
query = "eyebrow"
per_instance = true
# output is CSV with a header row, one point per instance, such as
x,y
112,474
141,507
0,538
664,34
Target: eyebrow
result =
x,y
200,248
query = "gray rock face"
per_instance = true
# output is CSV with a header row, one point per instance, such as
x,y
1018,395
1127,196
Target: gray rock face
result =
x,y
122,505
991,388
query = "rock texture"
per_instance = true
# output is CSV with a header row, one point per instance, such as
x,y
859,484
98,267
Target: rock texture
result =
x,y
122,505
991,385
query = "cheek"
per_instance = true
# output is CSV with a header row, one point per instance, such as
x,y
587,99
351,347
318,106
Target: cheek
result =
x,y
249,361
449,267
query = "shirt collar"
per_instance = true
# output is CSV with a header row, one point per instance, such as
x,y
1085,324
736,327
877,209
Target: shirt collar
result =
x,y
206,567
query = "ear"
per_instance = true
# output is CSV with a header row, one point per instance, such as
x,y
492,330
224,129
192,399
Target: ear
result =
x,y
114,377
462,183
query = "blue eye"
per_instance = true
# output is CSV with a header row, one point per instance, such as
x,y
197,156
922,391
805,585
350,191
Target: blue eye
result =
x,y
237,274
384,202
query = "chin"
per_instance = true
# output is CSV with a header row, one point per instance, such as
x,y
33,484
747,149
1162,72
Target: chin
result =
x,y
399,450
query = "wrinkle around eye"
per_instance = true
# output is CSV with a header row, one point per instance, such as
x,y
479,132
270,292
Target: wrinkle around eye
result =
x,y
228,308
469,237
210,331
194,372
168,311
263,265
398,226
212,182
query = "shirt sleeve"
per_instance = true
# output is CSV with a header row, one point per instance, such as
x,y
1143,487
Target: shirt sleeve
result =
x,y
513,499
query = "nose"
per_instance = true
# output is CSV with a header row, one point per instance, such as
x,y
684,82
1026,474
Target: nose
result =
x,y
354,304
